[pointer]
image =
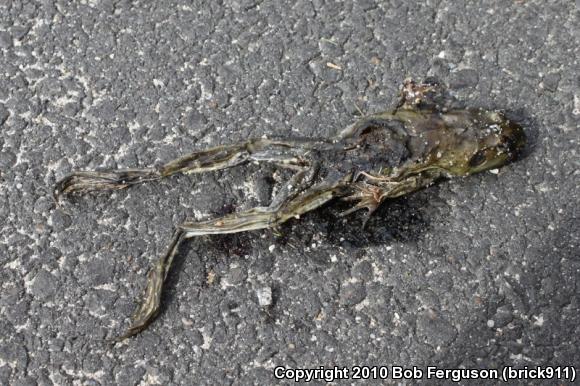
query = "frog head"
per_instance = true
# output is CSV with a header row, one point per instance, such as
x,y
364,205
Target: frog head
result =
x,y
462,142
498,142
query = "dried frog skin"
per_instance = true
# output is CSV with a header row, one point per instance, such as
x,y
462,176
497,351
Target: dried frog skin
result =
x,y
382,156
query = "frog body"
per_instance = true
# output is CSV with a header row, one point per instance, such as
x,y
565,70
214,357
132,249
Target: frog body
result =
x,y
382,156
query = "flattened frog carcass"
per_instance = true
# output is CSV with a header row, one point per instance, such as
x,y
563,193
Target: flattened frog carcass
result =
x,y
382,156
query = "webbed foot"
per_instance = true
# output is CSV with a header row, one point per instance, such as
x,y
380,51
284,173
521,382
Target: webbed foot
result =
x,y
90,181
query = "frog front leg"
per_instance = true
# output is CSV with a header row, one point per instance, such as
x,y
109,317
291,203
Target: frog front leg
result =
x,y
429,95
371,193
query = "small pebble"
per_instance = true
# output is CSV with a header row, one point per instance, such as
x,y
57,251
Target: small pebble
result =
x,y
264,296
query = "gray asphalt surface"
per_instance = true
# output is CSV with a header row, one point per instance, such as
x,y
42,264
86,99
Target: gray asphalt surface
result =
x,y
478,272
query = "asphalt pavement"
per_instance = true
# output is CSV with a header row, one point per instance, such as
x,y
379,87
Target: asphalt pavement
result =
x,y
475,273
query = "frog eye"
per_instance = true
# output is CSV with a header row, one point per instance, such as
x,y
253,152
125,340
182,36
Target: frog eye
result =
x,y
477,159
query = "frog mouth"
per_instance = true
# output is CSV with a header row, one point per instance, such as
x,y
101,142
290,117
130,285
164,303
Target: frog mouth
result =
x,y
514,140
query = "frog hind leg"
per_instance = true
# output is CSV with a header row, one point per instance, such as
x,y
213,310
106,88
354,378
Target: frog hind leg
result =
x,y
216,158
292,204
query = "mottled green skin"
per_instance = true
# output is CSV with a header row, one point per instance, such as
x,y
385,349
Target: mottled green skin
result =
x,y
382,156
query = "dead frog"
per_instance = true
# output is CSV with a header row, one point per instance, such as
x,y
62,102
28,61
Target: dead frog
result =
x,y
382,156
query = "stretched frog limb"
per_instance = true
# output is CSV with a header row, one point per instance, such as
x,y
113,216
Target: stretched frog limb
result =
x,y
294,203
285,153
156,276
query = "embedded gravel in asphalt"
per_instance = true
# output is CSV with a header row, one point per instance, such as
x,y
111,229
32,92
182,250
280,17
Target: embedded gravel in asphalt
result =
x,y
478,272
